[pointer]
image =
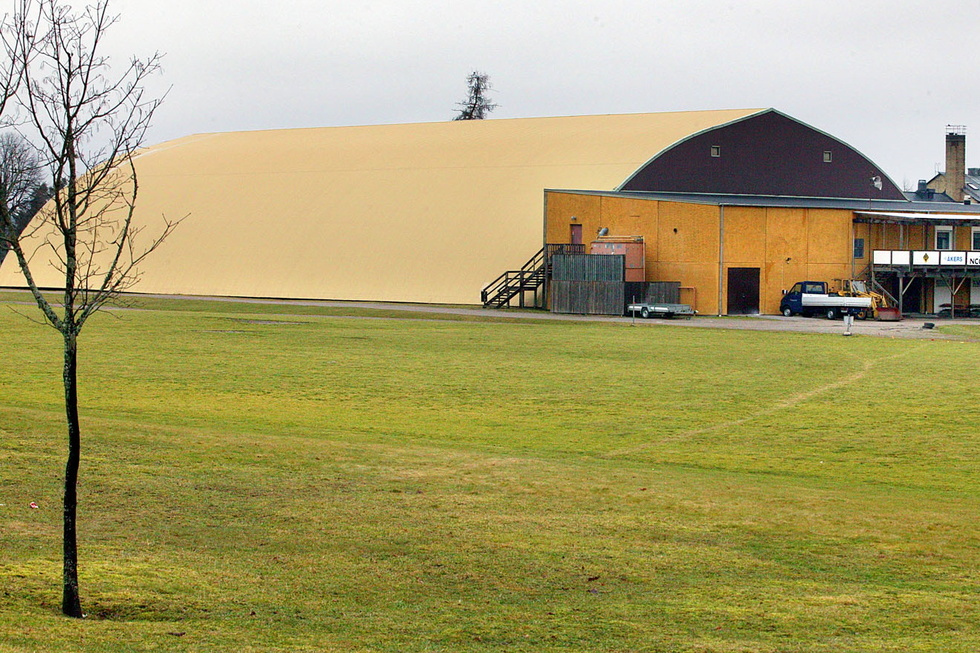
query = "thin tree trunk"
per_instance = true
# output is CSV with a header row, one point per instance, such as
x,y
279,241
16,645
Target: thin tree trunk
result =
x,y
71,603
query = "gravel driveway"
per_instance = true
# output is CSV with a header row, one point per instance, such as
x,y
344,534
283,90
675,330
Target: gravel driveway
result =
x,y
907,328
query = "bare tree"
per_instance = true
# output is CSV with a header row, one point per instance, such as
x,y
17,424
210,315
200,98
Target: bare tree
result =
x,y
21,182
88,121
477,105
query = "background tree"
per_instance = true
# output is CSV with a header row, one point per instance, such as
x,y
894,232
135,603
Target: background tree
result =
x,y
88,121
21,182
477,104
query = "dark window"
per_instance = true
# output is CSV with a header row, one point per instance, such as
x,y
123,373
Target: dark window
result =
x,y
976,239
716,151
944,238
859,248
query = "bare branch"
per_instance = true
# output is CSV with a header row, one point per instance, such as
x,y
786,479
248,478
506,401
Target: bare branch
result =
x,y
87,121
39,298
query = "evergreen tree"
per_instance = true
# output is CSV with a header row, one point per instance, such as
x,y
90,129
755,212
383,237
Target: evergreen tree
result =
x,y
477,105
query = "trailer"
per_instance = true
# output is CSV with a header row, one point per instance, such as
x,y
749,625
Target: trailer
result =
x,y
647,310
812,298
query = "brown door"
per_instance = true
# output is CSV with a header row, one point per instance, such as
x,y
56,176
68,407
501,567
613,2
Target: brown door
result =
x,y
743,291
576,235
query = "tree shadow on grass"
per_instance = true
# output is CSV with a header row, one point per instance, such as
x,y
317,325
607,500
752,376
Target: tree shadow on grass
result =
x,y
104,608
142,611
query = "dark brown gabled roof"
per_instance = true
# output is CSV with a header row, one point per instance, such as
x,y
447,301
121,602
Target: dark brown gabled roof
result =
x,y
765,154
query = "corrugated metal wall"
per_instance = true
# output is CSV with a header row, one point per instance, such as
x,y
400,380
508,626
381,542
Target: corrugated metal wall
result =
x,y
587,267
633,250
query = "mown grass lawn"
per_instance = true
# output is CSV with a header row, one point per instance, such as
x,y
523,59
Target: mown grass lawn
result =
x,y
272,478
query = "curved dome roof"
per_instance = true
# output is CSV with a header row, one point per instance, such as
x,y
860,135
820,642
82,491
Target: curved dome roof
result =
x,y
767,153
415,213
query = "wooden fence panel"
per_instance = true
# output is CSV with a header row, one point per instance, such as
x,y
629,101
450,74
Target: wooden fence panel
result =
x,y
663,292
588,297
588,284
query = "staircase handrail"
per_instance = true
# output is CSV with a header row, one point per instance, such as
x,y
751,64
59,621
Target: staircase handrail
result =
x,y
537,268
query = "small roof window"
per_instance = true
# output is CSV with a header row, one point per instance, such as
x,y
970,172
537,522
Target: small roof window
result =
x,y
716,151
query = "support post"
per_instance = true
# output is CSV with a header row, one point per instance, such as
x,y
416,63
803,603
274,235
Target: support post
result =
x,y
721,257
901,294
952,297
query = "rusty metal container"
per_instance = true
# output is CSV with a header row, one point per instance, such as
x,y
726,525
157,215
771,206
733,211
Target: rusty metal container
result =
x,y
632,247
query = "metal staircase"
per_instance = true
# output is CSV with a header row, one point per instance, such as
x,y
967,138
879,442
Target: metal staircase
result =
x,y
515,283
529,278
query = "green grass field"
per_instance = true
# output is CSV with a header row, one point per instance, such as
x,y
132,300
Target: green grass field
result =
x,y
275,478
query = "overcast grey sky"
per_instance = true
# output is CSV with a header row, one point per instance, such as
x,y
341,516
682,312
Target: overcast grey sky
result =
x,y
884,76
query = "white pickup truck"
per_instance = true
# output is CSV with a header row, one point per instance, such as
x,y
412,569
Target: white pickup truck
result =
x,y
811,298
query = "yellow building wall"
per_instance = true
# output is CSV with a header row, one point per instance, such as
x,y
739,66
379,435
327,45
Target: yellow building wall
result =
x,y
862,231
961,238
917,237
629,215
632,217
688,233
565,209
888,236
786,239
699,283
829,237
689,250
682,242
745,234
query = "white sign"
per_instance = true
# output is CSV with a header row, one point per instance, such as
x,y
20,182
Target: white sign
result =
x,y
952,258
941,257
882,257
925,258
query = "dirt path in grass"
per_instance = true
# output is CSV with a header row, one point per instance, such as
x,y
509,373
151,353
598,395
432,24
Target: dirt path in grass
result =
x,y
785,404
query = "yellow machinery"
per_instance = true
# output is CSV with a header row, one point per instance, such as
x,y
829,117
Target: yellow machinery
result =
x,y
859,288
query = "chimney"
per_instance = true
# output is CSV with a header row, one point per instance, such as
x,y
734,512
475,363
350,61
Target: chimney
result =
x,y
955,162
924,192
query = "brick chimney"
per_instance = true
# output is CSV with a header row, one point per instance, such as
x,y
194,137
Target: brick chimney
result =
x,y
955,161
